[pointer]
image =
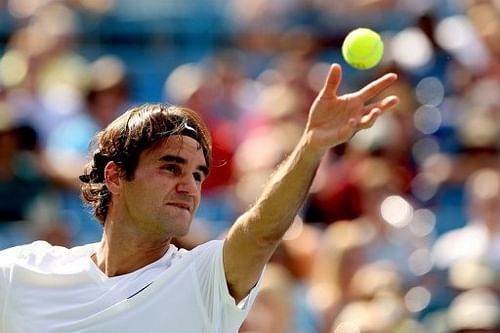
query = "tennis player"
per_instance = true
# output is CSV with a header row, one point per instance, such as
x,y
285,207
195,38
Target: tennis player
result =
x,y
144,184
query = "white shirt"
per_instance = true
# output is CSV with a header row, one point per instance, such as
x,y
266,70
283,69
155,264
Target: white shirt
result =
x,y
45,288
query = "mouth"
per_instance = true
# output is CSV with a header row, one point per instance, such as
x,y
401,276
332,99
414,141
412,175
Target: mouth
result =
x,y
181,205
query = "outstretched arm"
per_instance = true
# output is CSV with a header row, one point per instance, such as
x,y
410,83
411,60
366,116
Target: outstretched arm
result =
x,y
332,120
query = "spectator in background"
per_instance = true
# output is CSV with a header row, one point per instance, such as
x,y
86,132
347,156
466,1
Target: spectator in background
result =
x,y
289,283
468,258
106,97
67,146
480,238
45,76
20,181
370,256
272,311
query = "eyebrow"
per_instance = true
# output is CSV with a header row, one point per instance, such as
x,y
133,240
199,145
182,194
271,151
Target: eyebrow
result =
x,y
181,160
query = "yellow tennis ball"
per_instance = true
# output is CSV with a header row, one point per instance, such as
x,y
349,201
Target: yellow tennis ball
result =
x,y
363,48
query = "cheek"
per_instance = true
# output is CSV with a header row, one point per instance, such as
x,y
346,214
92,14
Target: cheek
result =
x,y
197,198
146,193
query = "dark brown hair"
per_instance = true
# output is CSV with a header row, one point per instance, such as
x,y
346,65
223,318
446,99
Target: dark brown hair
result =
x,y
123,141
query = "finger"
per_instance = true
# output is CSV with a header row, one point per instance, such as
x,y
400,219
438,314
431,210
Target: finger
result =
x,y
332,81
374,88
384,104
369,119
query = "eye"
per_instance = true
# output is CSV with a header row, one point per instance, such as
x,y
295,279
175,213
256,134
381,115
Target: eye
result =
x,y
172,168
198,177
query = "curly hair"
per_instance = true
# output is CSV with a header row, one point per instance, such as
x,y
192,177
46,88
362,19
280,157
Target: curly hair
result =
x,y
123,141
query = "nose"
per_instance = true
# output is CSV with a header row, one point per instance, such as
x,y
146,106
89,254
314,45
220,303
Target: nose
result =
x,y
188,185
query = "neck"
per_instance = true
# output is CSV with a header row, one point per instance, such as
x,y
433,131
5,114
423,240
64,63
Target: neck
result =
x,y
123,251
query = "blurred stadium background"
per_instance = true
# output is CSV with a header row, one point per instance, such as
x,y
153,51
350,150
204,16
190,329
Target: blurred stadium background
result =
x,y
401,232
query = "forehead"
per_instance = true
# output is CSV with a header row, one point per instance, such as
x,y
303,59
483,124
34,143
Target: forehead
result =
x,y
177,145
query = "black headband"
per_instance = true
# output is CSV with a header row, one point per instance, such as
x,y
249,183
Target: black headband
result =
x,y
191,132
187,130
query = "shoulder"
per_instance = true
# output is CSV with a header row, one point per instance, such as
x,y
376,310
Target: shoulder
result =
x,y
213,245
210,249
24,251
22,254
39,254
207,247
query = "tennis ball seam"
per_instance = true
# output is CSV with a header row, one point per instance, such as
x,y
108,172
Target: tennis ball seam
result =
x,y
368,55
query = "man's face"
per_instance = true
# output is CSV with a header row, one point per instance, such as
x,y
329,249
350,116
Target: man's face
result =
x,y
164,194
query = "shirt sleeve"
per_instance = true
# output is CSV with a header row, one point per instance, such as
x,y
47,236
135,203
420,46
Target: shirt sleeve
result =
x,y
7,258
222,310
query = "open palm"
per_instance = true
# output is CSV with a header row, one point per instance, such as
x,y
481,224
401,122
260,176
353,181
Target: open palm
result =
x,y
334,119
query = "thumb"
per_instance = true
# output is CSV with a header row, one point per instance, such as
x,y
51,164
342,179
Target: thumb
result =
x,y
332,81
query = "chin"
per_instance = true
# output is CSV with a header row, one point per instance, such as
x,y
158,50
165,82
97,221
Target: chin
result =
x,y
183,233
179,228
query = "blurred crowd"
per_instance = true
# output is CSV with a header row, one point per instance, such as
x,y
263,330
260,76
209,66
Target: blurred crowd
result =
x,y
401,231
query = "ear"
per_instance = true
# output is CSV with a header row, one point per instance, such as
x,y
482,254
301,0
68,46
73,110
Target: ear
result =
x,y
112,177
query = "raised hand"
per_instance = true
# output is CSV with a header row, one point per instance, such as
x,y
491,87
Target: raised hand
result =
x,y
335,119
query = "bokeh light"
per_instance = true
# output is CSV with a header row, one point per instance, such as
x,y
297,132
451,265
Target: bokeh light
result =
x,y
457,35
430,91
424,148
424,187
427,119
411,49
396,211
423,223
420,261
417,299
13,68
